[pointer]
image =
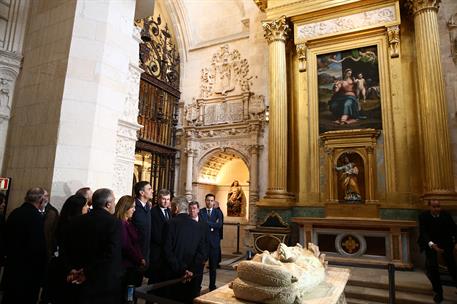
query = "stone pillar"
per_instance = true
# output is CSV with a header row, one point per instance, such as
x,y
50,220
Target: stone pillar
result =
x,y
190,163
253,183
438,177
70,126
276,33
14,15
127,125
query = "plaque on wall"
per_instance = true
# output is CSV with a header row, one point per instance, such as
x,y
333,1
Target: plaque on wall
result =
x,y
348,90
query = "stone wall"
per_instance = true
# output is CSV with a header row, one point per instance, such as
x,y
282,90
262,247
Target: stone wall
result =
x,y
35,119
75,105
447,10
201,31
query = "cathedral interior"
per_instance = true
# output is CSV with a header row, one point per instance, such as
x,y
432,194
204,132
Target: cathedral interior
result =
x,y
324,121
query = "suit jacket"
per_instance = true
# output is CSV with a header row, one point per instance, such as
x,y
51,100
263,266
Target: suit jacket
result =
x,y
25,248
441,230
184,246
93,242
142,221
215,223
157,222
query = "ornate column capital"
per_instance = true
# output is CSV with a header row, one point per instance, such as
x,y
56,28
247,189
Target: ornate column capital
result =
x,y
276,30
415,6
189,152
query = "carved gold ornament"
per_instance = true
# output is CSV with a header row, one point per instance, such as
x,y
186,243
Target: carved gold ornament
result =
x,y
393,34
276,30
301,53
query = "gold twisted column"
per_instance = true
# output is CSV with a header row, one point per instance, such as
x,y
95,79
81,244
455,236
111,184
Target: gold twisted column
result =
x,y
439,182
276,33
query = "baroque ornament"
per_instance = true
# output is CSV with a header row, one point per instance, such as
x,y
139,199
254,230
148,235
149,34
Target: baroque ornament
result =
x,y
228,73
393,34
415,6
158,54
301,53
276,30
344,24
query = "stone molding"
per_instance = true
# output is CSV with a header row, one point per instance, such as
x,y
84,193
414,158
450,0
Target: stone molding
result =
x,y
276,30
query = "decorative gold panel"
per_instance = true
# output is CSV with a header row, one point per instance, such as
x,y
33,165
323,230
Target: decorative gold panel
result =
x,y
361,142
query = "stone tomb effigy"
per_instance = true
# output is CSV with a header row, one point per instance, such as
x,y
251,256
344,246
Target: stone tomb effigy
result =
x,y
288,275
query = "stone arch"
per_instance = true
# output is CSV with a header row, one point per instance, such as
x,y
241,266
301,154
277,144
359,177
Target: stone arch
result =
x,y
227,153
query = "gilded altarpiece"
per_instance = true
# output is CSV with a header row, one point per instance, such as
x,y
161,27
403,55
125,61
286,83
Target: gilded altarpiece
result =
x,y
357,33
411,159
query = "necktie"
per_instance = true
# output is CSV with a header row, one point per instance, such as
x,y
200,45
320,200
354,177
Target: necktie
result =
x,y
166,215
209,212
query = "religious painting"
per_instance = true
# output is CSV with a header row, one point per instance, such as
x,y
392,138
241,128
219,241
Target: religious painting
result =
x,y
351,178
349,90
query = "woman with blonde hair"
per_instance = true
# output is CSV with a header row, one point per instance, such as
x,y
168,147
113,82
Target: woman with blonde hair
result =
x,y
132,259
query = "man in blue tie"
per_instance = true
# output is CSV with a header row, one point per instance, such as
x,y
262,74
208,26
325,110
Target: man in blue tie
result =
x,y
214,219
160,214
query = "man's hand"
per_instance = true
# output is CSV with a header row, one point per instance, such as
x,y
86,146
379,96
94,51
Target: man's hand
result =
x,y
437,249
187,276
76,276
143,264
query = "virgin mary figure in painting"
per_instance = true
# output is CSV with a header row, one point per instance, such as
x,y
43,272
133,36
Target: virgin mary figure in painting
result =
x,y
344,104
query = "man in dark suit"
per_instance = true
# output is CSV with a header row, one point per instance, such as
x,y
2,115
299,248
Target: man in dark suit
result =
x,y
184,251
25,249
93,252
160,214
142,216
437,235
213,218
194,209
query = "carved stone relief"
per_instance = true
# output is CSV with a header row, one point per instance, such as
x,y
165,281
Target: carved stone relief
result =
x,y
224,123
379,16
452,26
127,130
228,73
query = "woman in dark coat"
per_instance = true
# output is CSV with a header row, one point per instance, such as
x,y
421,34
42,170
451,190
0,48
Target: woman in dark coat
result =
x,y
132,258
59,290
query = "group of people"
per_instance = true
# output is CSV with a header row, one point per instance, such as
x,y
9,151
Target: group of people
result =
x,y
96,249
